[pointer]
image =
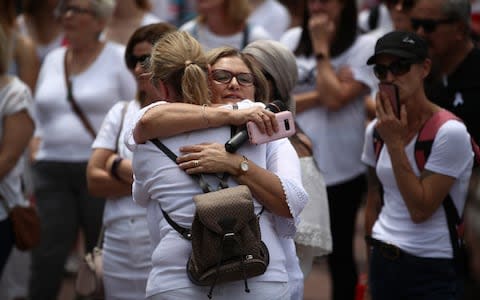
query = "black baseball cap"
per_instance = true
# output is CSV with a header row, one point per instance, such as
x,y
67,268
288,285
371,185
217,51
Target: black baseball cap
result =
x,y
402,44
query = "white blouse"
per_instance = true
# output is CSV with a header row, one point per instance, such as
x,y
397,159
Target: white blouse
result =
x,y
160,182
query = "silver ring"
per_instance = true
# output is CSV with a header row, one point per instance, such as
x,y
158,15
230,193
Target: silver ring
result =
x,y
196,163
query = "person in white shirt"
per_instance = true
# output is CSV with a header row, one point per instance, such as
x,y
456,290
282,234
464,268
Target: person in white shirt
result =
x,y
333,82
98,80
16,129
126,244
273,187
224,23
273,16
405,219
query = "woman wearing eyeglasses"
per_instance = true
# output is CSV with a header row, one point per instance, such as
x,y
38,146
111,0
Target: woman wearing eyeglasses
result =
x,y
411,254
97,79
272,174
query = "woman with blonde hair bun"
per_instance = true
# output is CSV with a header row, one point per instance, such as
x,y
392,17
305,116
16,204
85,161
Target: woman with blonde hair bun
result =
x,y
196,134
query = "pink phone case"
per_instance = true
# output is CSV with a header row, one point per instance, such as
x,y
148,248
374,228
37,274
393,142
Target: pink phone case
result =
x,y
392,91
286,128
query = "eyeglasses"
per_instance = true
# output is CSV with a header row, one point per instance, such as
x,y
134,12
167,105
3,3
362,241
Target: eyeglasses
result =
x,y
397,68
76,10
133,60
429,25
225,77
406,4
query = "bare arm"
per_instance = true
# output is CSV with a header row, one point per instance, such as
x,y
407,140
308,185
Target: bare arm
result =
x,y
334,90
265,185
424,195
100,182
27,61
374,201
17,132
171,119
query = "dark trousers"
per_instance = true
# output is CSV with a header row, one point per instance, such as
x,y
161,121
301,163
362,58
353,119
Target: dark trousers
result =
x,y
410,277
6,242
64,207
344,202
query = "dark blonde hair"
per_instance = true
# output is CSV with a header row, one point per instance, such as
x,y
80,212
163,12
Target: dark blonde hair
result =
x,y
178,61
237,11
262,92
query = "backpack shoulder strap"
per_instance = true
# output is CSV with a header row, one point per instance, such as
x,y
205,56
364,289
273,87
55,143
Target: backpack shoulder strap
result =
x,y
426,136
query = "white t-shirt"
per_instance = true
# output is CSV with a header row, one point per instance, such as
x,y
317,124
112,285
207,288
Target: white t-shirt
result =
x,y
451,155
210,40
106,81
14,97
337,136
121,207
160,182
273,16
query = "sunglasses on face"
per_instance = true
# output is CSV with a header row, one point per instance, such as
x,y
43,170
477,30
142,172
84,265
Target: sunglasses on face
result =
x,y
406,4
397,68
225,77
429,25
133,60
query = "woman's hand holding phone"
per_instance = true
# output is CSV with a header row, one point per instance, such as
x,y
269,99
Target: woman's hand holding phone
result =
x,y
286,128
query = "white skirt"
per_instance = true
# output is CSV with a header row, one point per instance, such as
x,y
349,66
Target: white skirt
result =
x,y
126,259
314,228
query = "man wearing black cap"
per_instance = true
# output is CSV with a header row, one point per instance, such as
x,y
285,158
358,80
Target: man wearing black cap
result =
x,y
411,256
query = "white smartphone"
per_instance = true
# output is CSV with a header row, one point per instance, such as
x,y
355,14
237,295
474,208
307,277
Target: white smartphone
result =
x,y
286,128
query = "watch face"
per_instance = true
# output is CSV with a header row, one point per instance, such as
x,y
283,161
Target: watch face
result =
x,y
244,166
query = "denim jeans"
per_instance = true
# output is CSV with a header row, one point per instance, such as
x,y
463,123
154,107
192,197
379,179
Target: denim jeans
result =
x,y
410,277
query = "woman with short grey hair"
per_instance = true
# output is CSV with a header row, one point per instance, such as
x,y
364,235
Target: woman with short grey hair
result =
x,y
90,73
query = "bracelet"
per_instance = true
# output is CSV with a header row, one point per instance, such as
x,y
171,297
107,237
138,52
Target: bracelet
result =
x,y
204,114
115,166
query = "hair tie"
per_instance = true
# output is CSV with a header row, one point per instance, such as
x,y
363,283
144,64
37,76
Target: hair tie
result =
x,y
188,62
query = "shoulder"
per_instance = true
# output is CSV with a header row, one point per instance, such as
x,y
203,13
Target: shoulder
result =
x,y
150,18
291,37
56,54
453,131
17,95
189,26
18,87
114,47
257,32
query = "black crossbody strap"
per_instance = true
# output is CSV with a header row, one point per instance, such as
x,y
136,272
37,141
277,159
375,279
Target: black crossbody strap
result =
x,y
199,178
185,232
73,103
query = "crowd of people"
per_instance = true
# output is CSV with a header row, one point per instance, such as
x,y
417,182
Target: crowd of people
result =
x,y
86,84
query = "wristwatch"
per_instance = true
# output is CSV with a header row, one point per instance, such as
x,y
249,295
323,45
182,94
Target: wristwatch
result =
x,y
244,166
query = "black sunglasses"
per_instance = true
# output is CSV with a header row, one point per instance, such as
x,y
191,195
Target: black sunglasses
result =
x,y
225,77
397,68
429,25
406,4
133,60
